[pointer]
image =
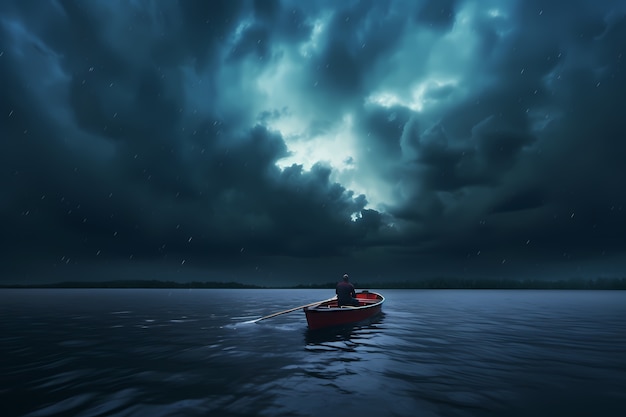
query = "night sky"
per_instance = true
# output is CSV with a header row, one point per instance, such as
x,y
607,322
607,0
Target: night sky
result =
x,y
292,141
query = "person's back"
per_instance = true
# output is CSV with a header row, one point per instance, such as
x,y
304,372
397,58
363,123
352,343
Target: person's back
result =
x,y
346,295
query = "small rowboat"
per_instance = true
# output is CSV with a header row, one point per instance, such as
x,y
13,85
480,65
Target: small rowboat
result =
x,y
328,313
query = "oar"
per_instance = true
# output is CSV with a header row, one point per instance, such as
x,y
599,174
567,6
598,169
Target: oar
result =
x,y
289,311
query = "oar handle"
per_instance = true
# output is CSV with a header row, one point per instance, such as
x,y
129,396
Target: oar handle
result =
x,y
291,309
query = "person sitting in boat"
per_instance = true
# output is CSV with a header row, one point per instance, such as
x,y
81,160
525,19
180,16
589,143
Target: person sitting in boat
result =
x,y
346,295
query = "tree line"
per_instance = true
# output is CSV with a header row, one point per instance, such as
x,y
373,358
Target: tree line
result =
x,y
430,283
135,284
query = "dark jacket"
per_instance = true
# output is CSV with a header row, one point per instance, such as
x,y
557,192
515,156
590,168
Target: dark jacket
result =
x,y
345,292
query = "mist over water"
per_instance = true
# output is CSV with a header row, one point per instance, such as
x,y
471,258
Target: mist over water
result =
x,y
431,353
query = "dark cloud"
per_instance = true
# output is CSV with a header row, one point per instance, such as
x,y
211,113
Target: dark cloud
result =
x,y
383,129
437,13
453,133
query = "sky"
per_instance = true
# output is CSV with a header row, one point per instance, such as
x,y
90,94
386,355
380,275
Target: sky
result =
x,y
281,141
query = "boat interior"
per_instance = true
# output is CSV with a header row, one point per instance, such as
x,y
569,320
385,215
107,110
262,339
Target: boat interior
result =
x,y
365,299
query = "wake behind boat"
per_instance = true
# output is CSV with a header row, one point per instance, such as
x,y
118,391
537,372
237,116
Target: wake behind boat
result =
x,y
328,313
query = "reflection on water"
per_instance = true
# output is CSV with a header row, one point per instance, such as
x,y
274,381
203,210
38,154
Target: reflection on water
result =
x,y
431,353
349,333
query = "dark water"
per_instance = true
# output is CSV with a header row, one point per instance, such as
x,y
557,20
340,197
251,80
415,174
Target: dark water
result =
x,y
432,353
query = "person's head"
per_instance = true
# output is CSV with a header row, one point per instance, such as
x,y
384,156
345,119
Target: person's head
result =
x,y
345,277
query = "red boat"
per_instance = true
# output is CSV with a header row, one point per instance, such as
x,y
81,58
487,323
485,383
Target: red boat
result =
x,y
328,313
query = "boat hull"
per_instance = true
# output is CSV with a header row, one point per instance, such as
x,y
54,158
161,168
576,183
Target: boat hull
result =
x,y
328,314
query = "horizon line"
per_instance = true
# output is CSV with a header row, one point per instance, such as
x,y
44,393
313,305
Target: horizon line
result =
x,y
431,283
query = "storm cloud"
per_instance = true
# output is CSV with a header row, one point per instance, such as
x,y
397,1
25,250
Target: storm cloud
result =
x,y
392,138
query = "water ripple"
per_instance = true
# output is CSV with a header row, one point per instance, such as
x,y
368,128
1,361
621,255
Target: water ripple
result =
x,y
432,353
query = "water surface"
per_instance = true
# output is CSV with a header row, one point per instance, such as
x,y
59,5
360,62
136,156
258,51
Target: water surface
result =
x,y
431,353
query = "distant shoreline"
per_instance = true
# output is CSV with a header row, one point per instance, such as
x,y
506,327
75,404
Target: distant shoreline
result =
x,y
434,283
